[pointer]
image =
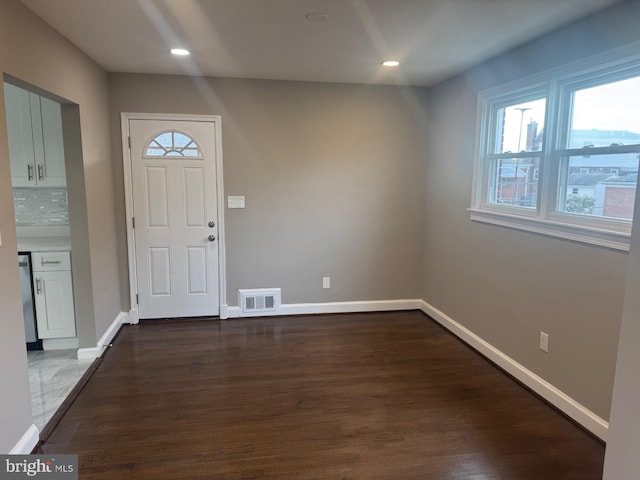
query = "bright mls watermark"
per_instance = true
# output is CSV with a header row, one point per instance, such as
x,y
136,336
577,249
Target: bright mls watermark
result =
x,y
52,467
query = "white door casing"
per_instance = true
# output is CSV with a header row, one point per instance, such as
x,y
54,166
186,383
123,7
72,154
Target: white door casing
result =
x,y
173,191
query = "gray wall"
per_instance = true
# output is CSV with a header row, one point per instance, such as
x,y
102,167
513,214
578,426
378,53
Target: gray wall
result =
x,y
33,52
79,227
15,407
330,173
507,285
622,461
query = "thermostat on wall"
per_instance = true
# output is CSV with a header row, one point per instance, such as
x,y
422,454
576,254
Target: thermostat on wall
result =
x,y
235,201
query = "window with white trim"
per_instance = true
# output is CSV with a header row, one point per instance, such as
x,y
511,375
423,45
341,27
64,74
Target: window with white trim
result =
x,y
560,154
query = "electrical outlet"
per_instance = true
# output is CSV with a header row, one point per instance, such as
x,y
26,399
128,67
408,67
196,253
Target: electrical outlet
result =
x,y
326,282
544,342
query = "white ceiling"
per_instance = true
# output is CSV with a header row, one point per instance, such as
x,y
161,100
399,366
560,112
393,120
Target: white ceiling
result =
x,y
271,39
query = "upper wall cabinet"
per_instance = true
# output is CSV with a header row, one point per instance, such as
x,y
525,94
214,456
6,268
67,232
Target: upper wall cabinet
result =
x,y
34,128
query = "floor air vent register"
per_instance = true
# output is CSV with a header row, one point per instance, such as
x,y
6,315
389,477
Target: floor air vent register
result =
x,y
259,300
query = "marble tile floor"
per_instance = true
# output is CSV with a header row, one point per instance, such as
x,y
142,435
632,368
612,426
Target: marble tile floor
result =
x,y
52,375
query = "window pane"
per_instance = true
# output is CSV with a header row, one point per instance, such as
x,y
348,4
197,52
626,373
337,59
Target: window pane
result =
x,y
173,144
164,139
602,185
181,140
516,182
606,115
520,127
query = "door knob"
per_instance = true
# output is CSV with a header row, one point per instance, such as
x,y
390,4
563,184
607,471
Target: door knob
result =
x,y
212,238
211,224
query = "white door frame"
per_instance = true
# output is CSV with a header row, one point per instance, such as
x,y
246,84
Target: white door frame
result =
x,y
128,196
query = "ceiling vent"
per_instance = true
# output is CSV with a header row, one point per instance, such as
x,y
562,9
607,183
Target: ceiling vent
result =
x,y
259,300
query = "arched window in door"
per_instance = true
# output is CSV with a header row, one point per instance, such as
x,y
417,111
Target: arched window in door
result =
x,y
172,143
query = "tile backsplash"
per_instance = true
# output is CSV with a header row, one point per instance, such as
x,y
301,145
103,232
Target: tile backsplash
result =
x,y
40,206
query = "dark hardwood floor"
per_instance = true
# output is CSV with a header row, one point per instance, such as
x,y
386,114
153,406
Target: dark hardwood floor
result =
x,y
358,396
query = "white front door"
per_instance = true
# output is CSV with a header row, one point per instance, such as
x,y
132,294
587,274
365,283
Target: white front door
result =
x,y
174,203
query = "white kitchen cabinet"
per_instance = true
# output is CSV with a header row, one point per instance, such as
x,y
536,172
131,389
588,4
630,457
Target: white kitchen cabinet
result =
x,y
50,169
19,131
34,128
53,288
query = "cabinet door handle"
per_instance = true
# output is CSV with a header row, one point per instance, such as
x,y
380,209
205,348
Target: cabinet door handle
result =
x,y
40,172
44,262
38,286
29,172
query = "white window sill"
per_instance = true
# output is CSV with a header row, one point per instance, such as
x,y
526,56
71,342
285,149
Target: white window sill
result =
x,y
577,233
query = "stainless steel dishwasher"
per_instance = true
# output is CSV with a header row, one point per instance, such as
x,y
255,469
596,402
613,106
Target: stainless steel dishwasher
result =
x,y
28,308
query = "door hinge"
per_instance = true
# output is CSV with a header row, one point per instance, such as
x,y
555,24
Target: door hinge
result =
x,y
133,222
129,142
137,299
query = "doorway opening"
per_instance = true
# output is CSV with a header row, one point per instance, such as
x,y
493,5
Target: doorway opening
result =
x,y
47,178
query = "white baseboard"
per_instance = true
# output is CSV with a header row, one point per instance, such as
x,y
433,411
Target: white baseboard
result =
x,y
105,340
330,307
134,318
559,399
89,352
27,443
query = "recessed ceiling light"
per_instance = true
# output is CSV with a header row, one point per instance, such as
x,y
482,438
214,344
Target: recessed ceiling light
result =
x,y
316,17
391,63
180,51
